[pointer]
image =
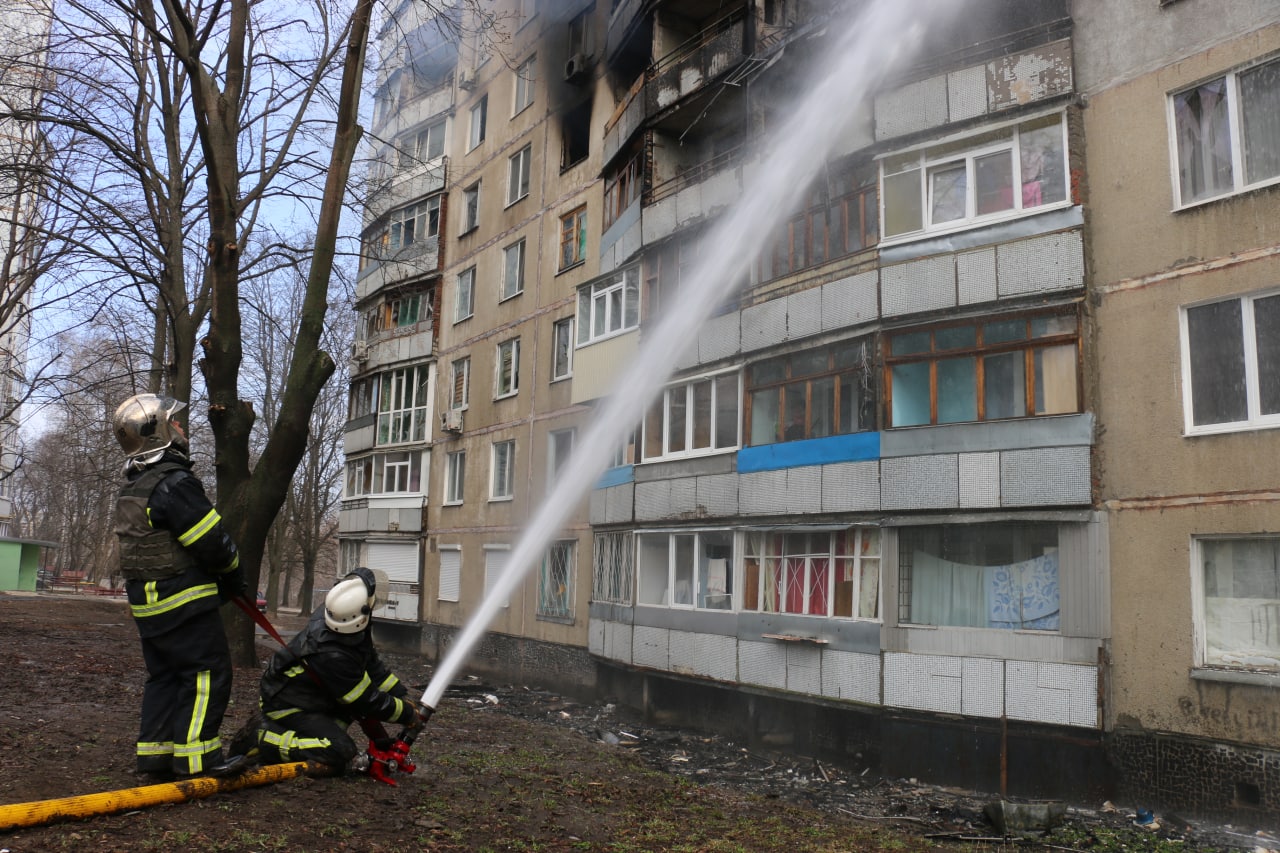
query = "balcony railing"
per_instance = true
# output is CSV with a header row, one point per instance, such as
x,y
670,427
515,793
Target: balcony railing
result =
x,y
695,174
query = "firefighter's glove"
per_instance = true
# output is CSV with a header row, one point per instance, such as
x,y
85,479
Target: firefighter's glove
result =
x,y
409,714
232,584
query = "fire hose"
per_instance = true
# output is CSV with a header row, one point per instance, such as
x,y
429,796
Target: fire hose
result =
x,y
386,755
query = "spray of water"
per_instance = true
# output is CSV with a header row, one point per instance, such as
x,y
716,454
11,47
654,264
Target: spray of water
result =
x,y
872,45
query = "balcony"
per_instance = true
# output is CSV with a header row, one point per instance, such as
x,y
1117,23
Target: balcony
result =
x,y
419,260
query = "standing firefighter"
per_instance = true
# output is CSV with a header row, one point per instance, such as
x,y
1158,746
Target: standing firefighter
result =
x,y
328,676
179,564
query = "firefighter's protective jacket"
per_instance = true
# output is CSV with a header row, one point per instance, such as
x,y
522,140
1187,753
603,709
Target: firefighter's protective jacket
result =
x,y
322,671
174,550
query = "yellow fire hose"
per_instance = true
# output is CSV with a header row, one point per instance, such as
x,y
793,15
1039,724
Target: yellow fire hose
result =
x,y
87,805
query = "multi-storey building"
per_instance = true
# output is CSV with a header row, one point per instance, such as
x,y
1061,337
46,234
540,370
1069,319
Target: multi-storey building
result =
x,y
864,515
1183,129
24,46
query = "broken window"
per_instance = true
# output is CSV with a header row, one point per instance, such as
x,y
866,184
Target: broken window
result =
x,y
479,118
612,575
459,380
609,306
993,175
573,238
518,175
832,573
562,349
1014,367
839,218
414,224
555,580
812,394
1231,360
1239,602
470,207
465,305
693,418
524,85
503,474
512,270
621,189
507,381
1227,133
1002,575
455,475
402,405
686,569
575,134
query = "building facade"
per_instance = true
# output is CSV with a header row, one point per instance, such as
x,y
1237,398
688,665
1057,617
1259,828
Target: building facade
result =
x,y
1183,130
871,515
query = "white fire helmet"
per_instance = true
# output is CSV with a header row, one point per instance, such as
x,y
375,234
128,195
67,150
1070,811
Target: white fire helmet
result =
x,y
143,426
350,602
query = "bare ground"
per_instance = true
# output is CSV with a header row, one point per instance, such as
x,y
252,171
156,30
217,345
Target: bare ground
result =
x,y
499,768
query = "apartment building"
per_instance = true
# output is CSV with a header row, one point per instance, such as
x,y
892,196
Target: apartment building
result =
x,y
1183,130
872,515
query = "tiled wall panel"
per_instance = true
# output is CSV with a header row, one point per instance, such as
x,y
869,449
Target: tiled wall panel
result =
x,y
982,694
763,492
976,276
1045,476
804,313
967,93
912,108
919,482
924,285
804,668
852,676
851,487
850,301
708,655
924,682
717,494
979,480
764,664
652,500
1064,694
764,325
1041,264
651,647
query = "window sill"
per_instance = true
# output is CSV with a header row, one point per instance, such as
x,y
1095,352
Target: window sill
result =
x,y
505,396
1235,193
555,379
1236,676
1228,429
790,638
473,229
572,266
512,296
505,499
561,620
515,201
463,319
451,503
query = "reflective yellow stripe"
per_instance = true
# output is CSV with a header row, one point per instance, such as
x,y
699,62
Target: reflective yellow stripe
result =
x,y
290,740
232,566
294,671
199,709
150,593
155,748
196,748
280,715
200,528
155,607
399,709
389,682
357,691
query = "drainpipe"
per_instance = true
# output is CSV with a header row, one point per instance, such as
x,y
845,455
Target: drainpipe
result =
x,y
44,812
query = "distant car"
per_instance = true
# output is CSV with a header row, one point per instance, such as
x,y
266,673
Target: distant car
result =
x,y
262,602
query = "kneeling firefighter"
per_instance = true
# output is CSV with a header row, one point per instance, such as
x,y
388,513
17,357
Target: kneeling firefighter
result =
x,y
328,676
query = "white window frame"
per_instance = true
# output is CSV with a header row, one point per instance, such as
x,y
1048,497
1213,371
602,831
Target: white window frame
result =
x,y
502,473
415,223
465,306
351,554
450,587
562,349
1199,601
519,168
463,365
406,396
682,392
725,600
455,477
523,86
479,119
613,556
513,270
927,165
368,475
508,352
609,307
1255,420
1235,120
418,148
853,561
556,457
495,563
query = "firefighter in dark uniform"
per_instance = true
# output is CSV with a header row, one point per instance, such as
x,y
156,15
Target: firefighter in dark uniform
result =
x,y
179,564
328,676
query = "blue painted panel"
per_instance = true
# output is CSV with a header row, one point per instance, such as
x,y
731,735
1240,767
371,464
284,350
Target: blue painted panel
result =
x,y
616,477
858,447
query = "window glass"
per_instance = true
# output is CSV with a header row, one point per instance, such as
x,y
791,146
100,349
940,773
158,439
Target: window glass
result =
x,y
902,209
1203,130
765,416
1260,108
820,573
1005,386
562,348
1004,331
726,410
1266,321
555,580
911,342
693,418
980,576
955,337
1218,390
1241,603
465,305
993,184
948,192
911,394
813,393
957,390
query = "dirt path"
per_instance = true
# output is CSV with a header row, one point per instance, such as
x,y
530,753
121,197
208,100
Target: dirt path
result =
x,y
499,768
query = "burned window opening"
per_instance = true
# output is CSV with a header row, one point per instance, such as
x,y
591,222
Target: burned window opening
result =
x,y
575,134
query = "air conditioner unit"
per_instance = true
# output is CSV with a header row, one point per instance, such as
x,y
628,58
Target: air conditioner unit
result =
x,y
451,420
575,69
466,80
359,352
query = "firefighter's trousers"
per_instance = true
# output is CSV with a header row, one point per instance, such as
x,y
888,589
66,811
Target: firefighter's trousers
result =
x,y
186,694
305,736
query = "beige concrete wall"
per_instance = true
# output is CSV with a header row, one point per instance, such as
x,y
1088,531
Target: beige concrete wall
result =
x,y
1161,487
